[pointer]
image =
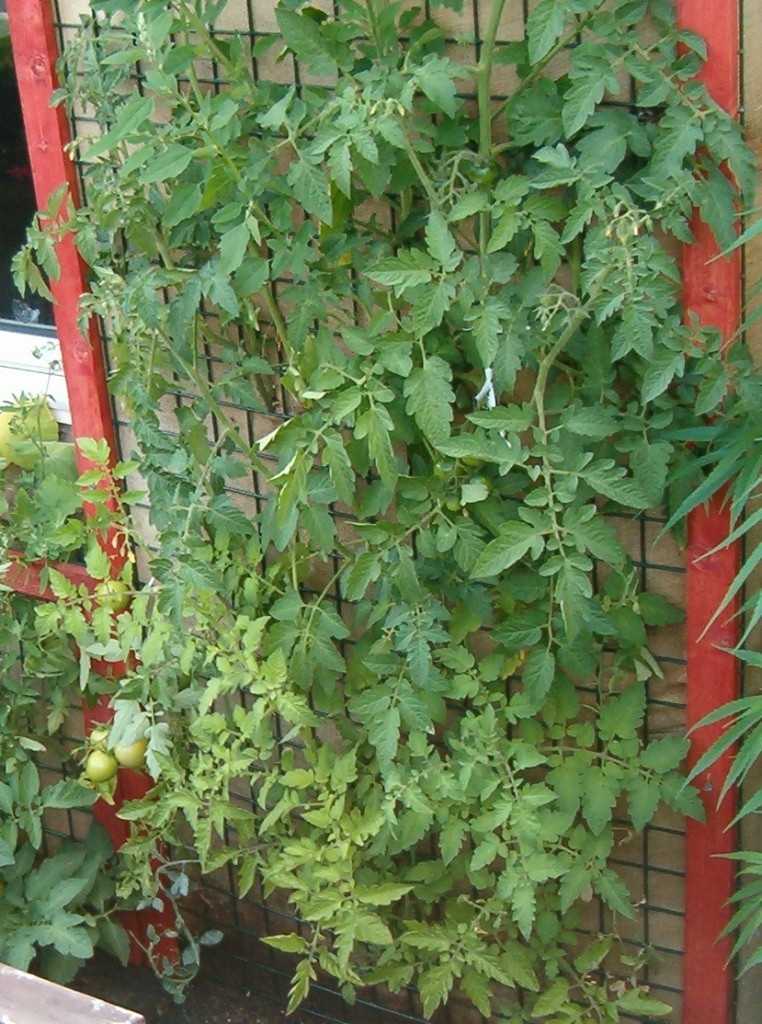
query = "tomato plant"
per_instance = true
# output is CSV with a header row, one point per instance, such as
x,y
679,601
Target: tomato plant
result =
x,y
455,327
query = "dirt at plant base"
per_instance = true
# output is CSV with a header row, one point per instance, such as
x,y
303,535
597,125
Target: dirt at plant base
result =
x,y
208,1001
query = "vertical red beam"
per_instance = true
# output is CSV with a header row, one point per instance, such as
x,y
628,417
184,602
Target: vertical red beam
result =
x,y
712,290
35,52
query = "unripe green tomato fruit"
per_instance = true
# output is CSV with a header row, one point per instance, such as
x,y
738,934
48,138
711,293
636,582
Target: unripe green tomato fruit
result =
x,y
100,766
132,756
112,594
99,738
444,469
452,504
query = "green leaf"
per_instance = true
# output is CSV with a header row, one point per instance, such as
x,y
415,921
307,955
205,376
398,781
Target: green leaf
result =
x,y
665,754
581,100
595,422
610,480
365,569
67,793
599,796
233,246
515,541
378,425
613,892
597,536
311,188
436,81
287,943
544,27
430,398
407,270
340,166
431,303
440,243
451,839
381,895
662,369
339,466
643,799
650,463
552,999
168,165
477,446
300,985
622,715
131,117
302,34
538,673
223,515
434,985
524,907
635,1001
487,327
66,934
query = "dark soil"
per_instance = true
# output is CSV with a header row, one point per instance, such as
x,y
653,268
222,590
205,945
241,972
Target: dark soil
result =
x,y
208,1001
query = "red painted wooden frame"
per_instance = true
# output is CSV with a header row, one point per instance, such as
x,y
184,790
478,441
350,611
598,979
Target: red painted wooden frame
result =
x,y
35,52
711,290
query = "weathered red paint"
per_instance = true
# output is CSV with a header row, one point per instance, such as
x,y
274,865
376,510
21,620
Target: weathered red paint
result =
x,y
27,577
35,53
713,679
712,291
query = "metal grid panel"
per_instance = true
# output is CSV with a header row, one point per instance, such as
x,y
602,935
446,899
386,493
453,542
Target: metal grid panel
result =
x,y
651,863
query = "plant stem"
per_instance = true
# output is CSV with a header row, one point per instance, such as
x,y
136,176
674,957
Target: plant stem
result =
x,y
541,65
423,177
483,76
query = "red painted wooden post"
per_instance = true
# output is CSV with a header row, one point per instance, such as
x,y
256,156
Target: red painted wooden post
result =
x,y
35,53
712,290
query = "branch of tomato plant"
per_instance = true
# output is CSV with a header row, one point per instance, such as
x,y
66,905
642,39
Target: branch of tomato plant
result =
x,y
267,289
538,399
540,66
234,71
200,381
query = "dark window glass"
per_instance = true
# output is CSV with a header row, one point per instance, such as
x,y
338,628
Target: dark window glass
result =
x,y
17,204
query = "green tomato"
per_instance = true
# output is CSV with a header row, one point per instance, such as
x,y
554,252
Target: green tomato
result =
x,y
112,594
132,756
98,738
100,766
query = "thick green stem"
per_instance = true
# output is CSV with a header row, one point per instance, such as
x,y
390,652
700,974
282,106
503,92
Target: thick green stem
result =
x,y
483,76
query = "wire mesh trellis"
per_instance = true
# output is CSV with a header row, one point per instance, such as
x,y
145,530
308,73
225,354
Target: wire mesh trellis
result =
x,y
651,864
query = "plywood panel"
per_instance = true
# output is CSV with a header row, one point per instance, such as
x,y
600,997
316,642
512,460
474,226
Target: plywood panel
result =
x,y
25,999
